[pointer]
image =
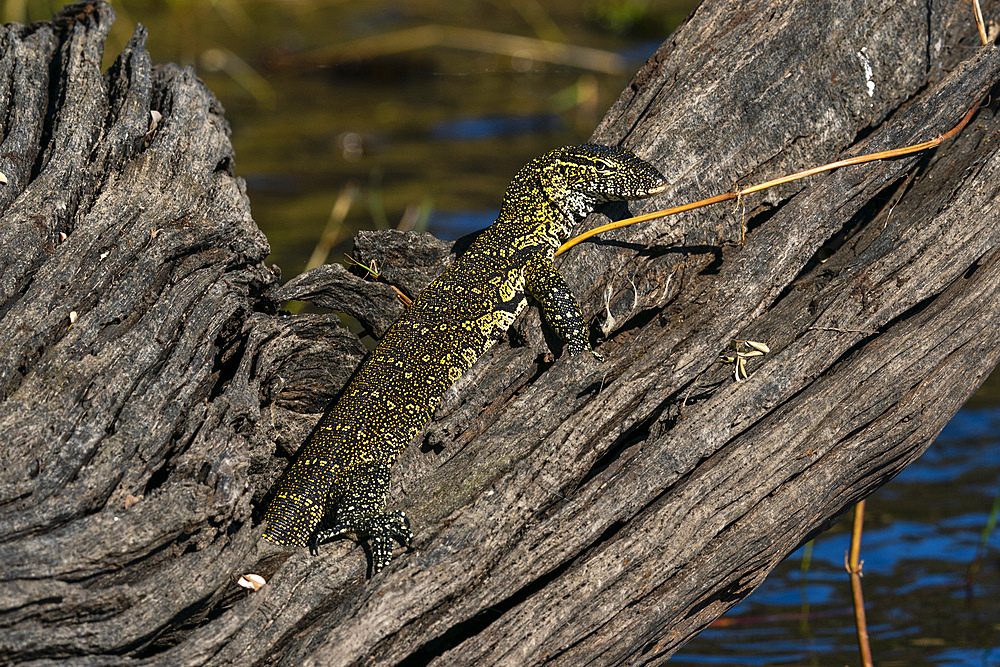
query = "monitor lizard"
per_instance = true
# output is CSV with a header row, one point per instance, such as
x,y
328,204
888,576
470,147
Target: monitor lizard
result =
x,y
339,483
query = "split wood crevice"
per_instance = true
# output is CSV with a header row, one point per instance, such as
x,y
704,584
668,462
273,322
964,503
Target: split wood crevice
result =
x,y
565,510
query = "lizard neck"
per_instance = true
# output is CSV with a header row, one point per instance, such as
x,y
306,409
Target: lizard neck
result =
x,y
532,207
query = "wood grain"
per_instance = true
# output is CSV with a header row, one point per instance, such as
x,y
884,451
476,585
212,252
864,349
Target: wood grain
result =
x,y
566,511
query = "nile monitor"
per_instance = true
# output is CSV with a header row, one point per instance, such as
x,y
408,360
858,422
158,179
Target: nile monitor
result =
x,y
340,481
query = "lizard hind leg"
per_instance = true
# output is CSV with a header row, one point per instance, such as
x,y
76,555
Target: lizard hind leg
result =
x,y
360,511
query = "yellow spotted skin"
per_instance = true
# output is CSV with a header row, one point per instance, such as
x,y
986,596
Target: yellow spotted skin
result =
x,y
340,480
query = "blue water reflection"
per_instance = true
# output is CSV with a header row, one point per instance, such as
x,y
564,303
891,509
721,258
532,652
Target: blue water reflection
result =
x,y
450,225
971,423
492,127
958,657
932,592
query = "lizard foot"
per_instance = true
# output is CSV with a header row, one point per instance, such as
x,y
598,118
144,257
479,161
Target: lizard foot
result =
x,y
576,347
388,527
380,530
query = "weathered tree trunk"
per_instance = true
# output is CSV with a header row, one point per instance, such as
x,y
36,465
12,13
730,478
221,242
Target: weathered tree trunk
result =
x,y
565,510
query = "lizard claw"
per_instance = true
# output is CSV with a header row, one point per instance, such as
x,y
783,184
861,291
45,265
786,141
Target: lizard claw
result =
x,y
383,530
380,530
321,536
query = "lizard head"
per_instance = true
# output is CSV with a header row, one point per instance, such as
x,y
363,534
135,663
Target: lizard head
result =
x,y
578,178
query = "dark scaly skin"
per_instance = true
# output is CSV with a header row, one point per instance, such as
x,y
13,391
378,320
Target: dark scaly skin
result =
x,y
340,481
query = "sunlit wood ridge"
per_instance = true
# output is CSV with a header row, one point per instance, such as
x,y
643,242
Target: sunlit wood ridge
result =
x,y
860,159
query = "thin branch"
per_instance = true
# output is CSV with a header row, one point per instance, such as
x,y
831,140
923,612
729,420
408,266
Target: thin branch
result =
x,y
980,24
860,159
853,565
334,232
484,41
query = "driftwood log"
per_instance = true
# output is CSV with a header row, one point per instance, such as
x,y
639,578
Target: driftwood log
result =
x,y
566,511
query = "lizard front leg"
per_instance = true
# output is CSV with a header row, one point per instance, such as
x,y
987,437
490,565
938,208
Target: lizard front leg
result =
x,y
559,307
357,505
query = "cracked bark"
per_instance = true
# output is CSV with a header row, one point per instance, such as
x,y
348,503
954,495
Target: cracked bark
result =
x,y
565,510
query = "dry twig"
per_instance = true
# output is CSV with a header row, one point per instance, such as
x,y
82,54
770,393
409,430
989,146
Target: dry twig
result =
x,y
860,159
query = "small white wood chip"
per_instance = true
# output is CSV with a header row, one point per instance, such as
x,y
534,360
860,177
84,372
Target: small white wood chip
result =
x,y
253,582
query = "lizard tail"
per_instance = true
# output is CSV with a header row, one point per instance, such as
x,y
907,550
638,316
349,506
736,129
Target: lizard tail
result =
x,y
291,519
